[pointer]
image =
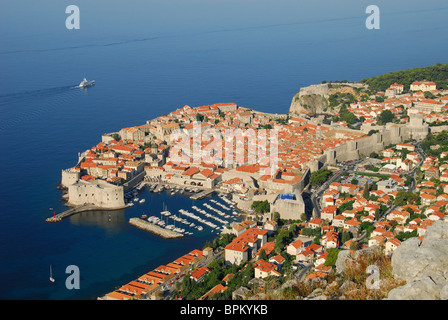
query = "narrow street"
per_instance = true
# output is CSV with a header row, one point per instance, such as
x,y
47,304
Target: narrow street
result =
x,y
317,194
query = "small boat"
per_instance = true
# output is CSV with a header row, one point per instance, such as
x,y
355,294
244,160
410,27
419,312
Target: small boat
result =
x,y
86,83
51,275
154,219
144,216
142,201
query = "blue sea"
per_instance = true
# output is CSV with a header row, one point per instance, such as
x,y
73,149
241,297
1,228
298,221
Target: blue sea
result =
x,y
149,58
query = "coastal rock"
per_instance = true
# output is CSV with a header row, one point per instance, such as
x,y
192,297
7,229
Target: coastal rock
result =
x,y
367,252
310,100
332,288
321,297
316,282
315,293
444,293
424,266
439,230
313,100
412,261
347,287
344,257
424,289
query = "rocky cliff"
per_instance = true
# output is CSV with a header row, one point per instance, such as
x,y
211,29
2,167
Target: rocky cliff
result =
x,y
313,99
424,266
418,269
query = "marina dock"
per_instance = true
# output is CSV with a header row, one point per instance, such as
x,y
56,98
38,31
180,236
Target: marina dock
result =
x,y
145,225
201,194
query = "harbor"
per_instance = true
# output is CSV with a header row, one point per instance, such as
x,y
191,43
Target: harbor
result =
x,y
158,187
188,222
135,197
131,198
214,213
153,228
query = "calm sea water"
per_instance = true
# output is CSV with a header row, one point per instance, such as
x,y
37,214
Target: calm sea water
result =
x,y
149,58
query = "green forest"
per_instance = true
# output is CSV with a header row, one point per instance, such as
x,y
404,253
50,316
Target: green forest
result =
x,y
438,142
437,73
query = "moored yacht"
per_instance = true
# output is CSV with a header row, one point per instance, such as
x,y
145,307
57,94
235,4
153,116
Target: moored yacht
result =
x,y
166,213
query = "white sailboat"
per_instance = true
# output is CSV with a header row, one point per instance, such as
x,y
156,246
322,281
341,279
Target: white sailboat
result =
x,y
165,211
51,275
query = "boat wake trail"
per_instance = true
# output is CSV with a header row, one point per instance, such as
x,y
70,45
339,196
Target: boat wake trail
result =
x,y
13,98
20,107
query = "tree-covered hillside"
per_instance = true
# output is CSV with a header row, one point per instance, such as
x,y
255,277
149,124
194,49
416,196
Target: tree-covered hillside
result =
x,y
437,73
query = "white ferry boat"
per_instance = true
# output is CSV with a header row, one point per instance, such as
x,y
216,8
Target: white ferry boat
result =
x,y
86,83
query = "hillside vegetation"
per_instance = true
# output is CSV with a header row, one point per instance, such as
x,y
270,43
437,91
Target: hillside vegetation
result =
x,y
437,73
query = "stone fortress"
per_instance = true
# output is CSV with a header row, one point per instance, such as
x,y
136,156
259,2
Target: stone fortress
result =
x,y
313,100
389,134
98,192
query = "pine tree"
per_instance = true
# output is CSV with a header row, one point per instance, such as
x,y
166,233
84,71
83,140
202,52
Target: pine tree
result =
x,y
366,193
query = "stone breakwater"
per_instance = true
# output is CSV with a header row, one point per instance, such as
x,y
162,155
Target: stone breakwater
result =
x,y
164,233
77,209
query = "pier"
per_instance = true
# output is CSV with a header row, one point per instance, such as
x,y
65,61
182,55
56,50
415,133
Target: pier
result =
x,y
202,194
145,225
67,213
